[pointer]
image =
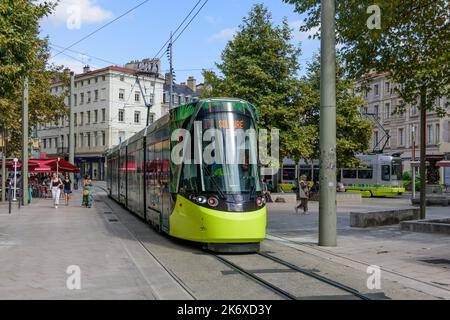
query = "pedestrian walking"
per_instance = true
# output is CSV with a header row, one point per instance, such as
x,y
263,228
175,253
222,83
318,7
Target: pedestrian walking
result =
x,y
87,192
265,190
57,185
67,189
302,191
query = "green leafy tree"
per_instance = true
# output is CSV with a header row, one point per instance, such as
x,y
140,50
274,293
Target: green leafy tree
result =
x,y
412,44
23,53
261,65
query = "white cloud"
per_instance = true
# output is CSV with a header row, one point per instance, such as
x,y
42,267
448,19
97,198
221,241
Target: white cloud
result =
x,y
302,36
224,35
82,11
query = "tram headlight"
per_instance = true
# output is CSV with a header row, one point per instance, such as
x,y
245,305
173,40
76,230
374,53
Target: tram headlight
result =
x,y
201,200
213,202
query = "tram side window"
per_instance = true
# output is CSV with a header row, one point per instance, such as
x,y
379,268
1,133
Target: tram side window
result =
x,y
386,173
366,173
349,173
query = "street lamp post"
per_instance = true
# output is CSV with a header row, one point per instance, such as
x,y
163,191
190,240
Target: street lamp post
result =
x,y
15,178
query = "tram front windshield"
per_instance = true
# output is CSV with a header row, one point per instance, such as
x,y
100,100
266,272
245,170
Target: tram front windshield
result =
x,y
229,161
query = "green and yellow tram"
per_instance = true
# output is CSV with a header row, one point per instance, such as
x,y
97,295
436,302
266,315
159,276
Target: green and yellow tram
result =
x,y
169,175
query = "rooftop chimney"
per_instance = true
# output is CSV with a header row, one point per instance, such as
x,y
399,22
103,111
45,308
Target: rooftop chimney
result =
x,y
192,83
86,69
168,77
66,71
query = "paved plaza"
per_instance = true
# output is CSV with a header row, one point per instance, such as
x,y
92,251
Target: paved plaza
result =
x,y
121,257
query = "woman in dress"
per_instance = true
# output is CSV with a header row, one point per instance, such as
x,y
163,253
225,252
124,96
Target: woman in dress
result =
x,y
87,192
67,189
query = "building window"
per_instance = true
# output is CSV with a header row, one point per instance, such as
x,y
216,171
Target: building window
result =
x,y
75,119
45,143
96,95
165,98
81,98
89,97
81,140
89,81
81,118
376,90
75,140
121,94
401,137
121,115
429,134
365,110
103,94
137,96
152,118
121,136
95,116
88,117
103,138
137,117
387,88
103,115
122,78
375,110
387,110
103,78
438,133
75,102
96,79
88,139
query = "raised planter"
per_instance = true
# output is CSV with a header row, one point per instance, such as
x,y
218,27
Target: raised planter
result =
x,y
375,218
428,226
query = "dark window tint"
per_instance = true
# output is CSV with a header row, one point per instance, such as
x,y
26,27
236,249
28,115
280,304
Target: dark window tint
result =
x,y
386,173
349,174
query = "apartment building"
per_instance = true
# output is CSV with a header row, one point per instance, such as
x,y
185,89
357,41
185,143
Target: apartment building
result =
x,y
108,109
404,128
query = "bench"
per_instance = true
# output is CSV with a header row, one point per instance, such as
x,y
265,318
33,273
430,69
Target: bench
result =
x,y
375,218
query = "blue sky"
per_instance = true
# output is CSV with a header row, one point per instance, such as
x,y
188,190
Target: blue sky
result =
x,y
141,33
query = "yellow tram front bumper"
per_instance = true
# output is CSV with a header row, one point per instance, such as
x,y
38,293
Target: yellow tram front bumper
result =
x,y
196,223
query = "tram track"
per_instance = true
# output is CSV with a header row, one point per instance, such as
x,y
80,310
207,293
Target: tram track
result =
x,y
280,291
144,246
248,273
284,241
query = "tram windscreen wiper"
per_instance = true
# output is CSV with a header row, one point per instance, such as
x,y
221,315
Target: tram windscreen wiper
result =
x,y
219,191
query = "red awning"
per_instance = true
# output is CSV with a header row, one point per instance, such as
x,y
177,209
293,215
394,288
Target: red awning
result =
x,y
445,164
45,166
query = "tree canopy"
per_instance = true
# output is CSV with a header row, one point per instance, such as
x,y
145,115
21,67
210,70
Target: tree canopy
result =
x,y
261,65
412,44
23,53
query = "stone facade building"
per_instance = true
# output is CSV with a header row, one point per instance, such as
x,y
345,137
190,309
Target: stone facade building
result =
x,y
404,129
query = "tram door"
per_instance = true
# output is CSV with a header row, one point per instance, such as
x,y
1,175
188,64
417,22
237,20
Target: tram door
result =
x,y
164,181
151,172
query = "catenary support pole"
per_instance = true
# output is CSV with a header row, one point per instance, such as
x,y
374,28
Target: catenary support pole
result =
x,y
4,177
423,157
171,102
71,121
327,204
25,142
